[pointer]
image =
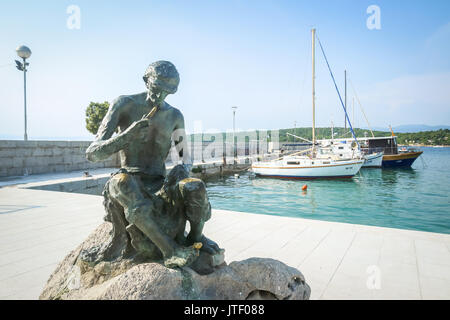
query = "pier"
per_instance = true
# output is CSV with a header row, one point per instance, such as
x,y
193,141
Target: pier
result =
x,y
39,227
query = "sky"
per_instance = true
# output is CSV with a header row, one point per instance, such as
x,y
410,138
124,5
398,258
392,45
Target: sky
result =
x,y
255,55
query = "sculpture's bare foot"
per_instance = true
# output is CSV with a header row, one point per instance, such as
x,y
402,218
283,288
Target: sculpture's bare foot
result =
x,y
183,256
208,245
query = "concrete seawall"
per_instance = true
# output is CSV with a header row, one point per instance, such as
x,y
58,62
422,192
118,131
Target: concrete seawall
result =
x,y
19,158
22,158
94,184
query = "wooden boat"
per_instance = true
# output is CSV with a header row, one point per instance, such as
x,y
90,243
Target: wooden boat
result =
x,y
393,156
404,159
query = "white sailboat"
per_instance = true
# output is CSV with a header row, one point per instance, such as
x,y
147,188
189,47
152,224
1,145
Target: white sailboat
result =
x,y
316,162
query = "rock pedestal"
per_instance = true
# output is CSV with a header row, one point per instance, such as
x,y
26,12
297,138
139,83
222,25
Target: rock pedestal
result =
x,y
127,278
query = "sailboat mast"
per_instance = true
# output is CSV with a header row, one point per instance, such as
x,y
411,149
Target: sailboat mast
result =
x,y
353,110
332,132
345,100
313,34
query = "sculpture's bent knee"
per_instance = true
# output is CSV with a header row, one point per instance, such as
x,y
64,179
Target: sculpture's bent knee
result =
x,y
138,214
126,190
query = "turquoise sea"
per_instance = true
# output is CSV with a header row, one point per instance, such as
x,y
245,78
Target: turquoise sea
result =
x,y
417,198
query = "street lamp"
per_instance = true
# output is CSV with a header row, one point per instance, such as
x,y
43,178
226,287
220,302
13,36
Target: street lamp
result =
x,y
24,52
234,133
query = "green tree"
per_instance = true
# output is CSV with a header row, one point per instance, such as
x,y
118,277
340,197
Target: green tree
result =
x,y
95,113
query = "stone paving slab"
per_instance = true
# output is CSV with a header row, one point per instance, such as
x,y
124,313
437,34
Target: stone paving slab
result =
x,y
340,261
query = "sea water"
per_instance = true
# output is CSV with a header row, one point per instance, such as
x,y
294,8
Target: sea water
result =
x,y
416,198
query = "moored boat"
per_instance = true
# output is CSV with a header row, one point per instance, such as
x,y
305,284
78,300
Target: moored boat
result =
x,y
393,155
403,159
373,160
346,149
304,167
318,163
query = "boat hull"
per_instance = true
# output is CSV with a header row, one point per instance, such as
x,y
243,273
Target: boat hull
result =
x,y
344,170
400,160
304,178
373,160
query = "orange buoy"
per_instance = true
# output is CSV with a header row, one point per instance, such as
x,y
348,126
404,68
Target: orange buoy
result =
x,y
304,187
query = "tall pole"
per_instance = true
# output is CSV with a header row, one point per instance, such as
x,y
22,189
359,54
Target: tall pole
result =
x,y
25,137
234,132
313,34
24,52
353,110
332,132
345,103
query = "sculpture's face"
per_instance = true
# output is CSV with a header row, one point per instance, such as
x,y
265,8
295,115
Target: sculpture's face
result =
x,y
156,94
161,79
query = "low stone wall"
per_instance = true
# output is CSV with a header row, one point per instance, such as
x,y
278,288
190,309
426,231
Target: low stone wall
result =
x,y
207,171
19,158
88,185
94,184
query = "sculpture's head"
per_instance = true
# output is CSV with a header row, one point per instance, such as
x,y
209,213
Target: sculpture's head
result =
x,y
161,79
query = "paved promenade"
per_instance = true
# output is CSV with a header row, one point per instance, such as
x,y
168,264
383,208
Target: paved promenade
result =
x,y
340,261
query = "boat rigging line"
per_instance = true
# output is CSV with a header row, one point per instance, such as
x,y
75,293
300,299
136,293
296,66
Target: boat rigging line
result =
x,y
290,134
337,90
362,109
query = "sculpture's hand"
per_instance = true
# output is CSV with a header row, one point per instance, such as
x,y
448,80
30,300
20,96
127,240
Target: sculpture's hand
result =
x,y
138,130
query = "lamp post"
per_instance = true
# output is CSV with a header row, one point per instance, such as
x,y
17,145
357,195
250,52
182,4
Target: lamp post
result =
x,y
24,52
234,132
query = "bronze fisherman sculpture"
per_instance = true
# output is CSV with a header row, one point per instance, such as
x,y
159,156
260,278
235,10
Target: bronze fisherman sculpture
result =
x,y
147,207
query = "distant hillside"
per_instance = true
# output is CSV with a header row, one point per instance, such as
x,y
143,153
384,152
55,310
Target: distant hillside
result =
x,y
412,128
305,133
432,137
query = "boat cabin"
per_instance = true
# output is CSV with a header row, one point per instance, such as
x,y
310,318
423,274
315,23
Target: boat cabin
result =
x,y
386,144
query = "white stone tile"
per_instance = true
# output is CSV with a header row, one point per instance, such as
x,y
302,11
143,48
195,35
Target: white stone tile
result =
x,y
399,274
391,291
355,267
28,294
434,270
316,284
435,288
343,286
432,252
20,283
9,270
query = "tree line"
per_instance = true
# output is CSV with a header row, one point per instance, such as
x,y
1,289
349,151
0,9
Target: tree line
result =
x,y
95,113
